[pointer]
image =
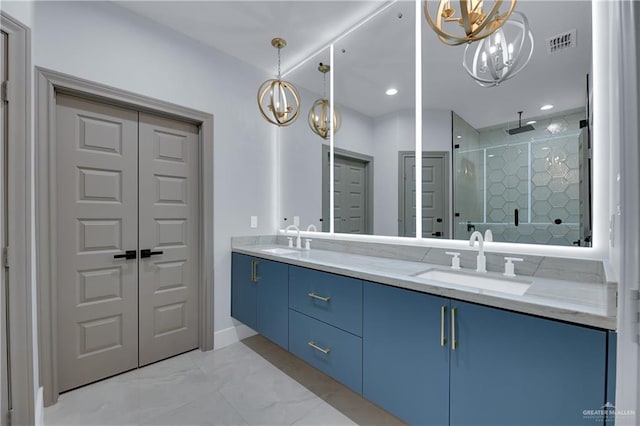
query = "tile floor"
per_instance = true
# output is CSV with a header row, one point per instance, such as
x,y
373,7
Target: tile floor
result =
x,y
252,382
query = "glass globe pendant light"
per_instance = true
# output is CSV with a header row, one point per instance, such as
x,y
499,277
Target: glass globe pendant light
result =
x,y
278,100
502,55
476,23
319,113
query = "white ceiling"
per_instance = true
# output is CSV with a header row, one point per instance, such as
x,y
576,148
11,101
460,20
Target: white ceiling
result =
x,y
379,54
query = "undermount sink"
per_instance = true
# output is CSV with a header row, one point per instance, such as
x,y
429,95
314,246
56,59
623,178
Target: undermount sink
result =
x,y
279,250
503,285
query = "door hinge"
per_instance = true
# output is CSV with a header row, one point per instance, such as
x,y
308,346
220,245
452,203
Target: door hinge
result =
x,y
5,257
4,89
635,296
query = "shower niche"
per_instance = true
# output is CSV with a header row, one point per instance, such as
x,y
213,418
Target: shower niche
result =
x,y
527,186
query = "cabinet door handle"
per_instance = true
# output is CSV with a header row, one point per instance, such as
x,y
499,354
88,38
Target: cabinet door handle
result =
x,y
443,339
318,348
315,296
254,271
454,342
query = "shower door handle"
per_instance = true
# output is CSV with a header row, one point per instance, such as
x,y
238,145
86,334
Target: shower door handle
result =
x,y
515,214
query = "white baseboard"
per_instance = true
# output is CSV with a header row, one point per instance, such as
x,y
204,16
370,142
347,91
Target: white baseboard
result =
x,y
231,335
39,409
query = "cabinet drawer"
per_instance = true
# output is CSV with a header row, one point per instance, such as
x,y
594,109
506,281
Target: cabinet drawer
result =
x,y
331,298
334,352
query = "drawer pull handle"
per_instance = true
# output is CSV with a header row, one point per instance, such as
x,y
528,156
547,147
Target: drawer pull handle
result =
x,y
315,296
454,342
316,347
443,339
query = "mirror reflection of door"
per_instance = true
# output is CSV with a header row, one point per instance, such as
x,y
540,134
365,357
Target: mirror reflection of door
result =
x,y
434,195
352,193
350,196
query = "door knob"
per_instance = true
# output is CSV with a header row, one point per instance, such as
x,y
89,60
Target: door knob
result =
x,y
129,254
148,253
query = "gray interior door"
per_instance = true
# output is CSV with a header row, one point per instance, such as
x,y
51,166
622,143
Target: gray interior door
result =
x,y
5,389
127,239
97,219
168,228
433,193
433,201
350,204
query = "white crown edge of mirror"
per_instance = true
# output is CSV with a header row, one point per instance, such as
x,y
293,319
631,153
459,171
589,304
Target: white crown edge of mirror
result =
x,y
586,253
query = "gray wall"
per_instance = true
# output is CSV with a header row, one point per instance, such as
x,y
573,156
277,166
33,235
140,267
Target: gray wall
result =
x,y
105,43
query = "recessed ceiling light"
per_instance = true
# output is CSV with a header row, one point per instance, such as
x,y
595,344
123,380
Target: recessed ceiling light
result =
x,y
459,137
546,107
532,122
391,91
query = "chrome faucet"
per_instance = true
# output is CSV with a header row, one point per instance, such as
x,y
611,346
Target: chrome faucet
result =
x,y
312,226
481,264
298,241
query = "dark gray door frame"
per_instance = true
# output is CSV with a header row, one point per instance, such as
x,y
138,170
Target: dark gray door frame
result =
x,y
17,95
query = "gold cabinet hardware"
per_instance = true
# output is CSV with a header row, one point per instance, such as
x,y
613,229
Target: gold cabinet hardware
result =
x,y
254,271
443,339
316,347
454,342
315,296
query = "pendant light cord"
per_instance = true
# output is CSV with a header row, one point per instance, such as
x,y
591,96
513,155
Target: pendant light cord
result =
x,y
279,63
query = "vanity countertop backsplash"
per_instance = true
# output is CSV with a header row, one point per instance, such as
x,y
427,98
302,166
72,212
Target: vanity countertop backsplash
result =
x,y
572,290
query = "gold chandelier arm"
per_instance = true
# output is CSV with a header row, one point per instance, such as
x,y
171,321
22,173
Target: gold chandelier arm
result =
x,y
476,25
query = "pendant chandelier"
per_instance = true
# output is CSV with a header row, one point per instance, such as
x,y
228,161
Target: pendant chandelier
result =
x,y
319,113
502,55
476,23
278,100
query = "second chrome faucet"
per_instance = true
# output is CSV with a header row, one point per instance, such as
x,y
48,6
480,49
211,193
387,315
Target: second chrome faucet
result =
x,y
481,264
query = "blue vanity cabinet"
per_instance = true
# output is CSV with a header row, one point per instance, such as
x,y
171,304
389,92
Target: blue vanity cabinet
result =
x,y
325,323
405,359
612,343
244,295
260,296
331,298
510,368
331,350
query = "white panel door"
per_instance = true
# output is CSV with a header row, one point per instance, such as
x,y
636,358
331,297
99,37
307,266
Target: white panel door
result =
x,y
97,219
169,230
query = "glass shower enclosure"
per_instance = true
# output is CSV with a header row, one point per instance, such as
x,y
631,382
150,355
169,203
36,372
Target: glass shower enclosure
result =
x,y
530,187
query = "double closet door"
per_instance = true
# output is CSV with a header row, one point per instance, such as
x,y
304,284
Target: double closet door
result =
x,y
127,239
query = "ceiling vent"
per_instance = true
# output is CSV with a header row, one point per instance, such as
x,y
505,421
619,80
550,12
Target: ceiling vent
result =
x,y
562,41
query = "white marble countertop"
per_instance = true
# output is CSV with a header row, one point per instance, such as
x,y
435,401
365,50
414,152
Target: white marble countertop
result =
x,y
580,303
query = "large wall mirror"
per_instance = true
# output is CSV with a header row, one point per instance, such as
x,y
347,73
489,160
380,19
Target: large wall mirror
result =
x,y
528,181
375,92
479,169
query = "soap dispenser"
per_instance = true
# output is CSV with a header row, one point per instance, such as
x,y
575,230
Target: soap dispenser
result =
x,y
455,260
